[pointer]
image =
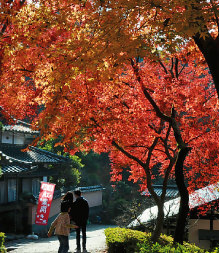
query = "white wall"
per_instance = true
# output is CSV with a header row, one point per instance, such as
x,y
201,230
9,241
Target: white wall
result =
x,y
93,199
18,139
7,137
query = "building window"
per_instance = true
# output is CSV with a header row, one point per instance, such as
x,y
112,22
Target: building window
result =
x,y
19,139
27,185
12,190
7,137
35,186
2,192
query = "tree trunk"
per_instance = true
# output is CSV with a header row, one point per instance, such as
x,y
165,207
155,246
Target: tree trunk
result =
x,y
184,202
210,50
159,223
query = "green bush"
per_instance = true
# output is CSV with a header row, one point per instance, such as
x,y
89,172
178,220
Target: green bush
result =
x,y
124,240
2,240
132,241
157,248
216,250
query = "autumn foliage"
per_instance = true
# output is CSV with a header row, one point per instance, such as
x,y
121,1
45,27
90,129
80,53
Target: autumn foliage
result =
x,y
105,34
121,77
91,114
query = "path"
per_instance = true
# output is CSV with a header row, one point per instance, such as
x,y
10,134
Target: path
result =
x,y
96,242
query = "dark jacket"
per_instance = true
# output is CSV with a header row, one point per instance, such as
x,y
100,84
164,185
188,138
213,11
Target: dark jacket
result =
x,y
80,211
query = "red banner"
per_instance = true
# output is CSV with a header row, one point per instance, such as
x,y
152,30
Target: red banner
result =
x,y
44,203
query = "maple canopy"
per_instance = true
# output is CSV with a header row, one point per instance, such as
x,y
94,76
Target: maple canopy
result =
x,y
103,35
94,114
121,77
9,11
73,60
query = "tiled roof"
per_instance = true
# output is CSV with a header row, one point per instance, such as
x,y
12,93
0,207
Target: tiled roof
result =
x,y
13,169
59,193
19,128
197,198
14,153
92,188
171,191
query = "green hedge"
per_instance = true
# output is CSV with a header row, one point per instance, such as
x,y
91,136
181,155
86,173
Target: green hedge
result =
x,y
155,248
124,240
2,240
132,241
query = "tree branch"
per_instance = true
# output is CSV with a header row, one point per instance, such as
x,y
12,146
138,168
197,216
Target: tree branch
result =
x,y
165,143
171,70
147,95
166,177
115,144
162,65
182,68
176,67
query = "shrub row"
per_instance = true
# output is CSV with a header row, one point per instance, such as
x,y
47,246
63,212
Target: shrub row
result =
x,y
132,241
2,240
155,248
124,240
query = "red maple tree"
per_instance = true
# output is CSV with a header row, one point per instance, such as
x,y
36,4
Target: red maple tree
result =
x,y
9,11
97,93
91,31
149,113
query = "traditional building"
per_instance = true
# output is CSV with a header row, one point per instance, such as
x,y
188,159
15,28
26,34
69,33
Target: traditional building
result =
x,y
23,169
22,173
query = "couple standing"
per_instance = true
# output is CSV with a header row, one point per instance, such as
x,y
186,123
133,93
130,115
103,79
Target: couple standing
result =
x,y
79,213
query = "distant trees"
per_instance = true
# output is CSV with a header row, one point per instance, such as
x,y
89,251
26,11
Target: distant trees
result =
x,y
66,175
85,169
96,168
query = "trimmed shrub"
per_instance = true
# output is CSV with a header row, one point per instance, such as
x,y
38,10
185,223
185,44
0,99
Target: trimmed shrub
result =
x,y
216,250
132,241
124,240
2,240
170,248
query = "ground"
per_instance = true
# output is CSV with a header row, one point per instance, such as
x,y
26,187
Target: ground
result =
x,y
96,242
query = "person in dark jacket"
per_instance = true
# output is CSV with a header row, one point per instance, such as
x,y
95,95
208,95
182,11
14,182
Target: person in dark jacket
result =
x,y
79,214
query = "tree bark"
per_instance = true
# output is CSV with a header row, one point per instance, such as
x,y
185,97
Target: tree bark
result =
x,y
210,50
159,223
158,200
184,195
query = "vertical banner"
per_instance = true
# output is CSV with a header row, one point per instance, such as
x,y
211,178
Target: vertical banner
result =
x,y
44,203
